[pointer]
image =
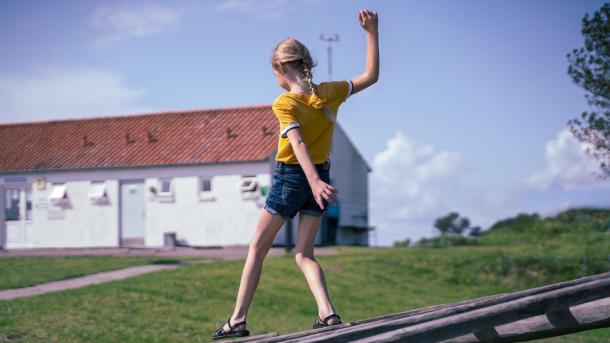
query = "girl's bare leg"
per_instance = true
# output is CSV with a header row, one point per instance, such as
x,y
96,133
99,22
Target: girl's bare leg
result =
x,y
266,230
308,228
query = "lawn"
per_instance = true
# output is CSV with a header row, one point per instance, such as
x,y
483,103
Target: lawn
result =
x,y
188,303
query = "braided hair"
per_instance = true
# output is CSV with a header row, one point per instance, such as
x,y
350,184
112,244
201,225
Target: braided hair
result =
x,y
290,50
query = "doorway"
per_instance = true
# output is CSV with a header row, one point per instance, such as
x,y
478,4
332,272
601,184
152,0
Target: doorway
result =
x,y
17,216
132,223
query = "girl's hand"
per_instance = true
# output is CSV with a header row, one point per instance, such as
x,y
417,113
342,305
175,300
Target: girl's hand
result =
x,y
368,20
322,190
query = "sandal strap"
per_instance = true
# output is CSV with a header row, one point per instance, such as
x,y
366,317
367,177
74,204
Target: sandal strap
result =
x,y
330,316
232,327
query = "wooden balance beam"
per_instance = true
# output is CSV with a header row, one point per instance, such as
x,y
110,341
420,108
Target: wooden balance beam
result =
x,y
547,311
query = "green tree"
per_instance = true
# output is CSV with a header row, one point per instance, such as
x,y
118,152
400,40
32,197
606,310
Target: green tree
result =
x,y
475,231
590,69
451,224
444,224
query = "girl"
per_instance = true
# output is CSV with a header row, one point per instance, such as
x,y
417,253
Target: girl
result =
x,y
306,114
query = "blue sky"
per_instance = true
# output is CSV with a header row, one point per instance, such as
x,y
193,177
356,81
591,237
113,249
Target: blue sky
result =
x,y
469,113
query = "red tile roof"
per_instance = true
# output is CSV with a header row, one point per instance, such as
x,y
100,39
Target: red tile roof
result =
x,y
150,139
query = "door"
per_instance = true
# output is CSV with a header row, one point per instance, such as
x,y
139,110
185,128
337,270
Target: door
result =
x,y
132,213
18,216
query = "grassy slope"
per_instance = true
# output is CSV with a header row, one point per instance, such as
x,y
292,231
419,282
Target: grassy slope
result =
x,y
188,303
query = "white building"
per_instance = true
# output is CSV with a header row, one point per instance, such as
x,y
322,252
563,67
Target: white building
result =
x,y
128,180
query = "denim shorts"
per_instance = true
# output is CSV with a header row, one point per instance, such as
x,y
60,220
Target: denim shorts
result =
x,y
291,193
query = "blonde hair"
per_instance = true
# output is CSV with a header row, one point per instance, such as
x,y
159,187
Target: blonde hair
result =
x,y
290,50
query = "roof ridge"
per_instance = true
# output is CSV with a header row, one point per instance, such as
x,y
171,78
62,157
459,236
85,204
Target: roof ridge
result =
x,y
138,114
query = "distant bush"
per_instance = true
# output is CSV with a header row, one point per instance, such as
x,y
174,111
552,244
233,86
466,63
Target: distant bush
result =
x,y
403,243
528,270
600,218
446,241
521,222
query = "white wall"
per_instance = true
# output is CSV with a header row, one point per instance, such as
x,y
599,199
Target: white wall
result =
x,y
350,175
78,223
227,220
84,223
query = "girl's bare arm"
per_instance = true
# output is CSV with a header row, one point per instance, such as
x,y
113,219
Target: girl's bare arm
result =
x,y
319,188
369,22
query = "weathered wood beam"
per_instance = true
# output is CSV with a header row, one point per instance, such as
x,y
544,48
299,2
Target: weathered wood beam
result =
x,y
475,320
553,302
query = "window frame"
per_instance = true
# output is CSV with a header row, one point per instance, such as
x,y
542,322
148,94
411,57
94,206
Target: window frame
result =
x,y
251,187
59,193
160,191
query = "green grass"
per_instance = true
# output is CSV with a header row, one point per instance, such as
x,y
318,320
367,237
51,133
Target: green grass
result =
x,y
16,272
188,303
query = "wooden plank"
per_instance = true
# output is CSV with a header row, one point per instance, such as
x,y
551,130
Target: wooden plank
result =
x,y
463,323
246,339
589,315
378,325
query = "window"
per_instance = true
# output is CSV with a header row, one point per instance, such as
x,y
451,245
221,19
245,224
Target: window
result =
x,y
11,204
59,193
165,187
205,184
205,188
248,184
97,191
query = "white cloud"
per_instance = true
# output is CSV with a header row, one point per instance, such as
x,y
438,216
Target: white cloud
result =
x,y
413,183
262,8
131,20
412,177
568,166
55,94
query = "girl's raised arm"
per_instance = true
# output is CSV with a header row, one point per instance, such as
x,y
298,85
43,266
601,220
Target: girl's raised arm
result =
x,y
369,22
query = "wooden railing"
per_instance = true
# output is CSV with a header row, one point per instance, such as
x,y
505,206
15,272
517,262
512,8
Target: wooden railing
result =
x,y
547,311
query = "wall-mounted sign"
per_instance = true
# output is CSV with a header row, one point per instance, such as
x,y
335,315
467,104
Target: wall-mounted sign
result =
x,y
15,179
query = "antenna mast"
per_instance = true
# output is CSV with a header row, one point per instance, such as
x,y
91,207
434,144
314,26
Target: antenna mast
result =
x,y
329,40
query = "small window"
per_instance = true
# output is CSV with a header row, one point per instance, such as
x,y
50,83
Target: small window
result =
x,y
97,191
59,193
205,188
248,184
11,204
165,187
205,184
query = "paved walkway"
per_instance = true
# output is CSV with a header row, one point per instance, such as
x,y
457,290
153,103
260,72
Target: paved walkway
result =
x,y
82,281
236,252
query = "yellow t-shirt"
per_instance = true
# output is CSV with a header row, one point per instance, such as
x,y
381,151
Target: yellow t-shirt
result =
x,y
305,112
